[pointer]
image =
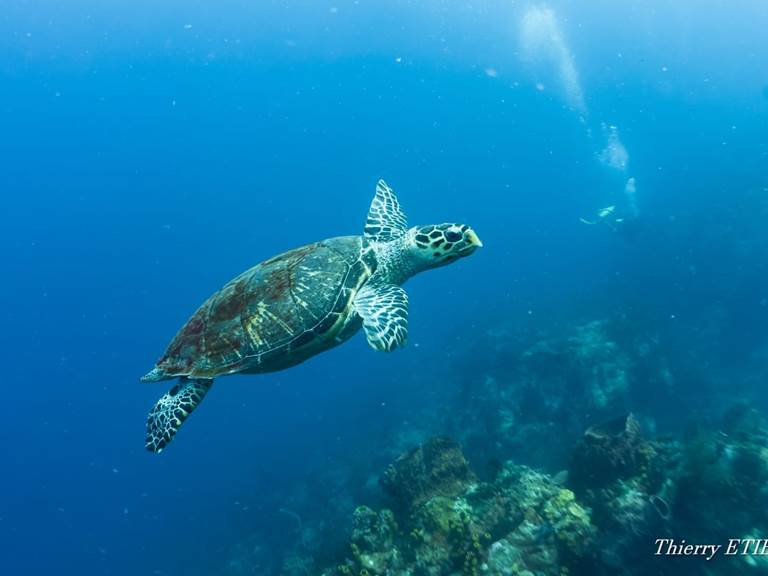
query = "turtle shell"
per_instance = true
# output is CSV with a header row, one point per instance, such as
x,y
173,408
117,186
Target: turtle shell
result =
x,y
276,314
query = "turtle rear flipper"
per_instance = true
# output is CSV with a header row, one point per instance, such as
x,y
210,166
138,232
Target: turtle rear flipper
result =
x,y
172,409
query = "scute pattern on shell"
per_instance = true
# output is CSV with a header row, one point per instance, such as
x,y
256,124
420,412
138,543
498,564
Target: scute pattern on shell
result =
x,y
260,318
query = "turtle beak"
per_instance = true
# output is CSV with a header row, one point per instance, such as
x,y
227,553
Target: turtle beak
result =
x,y
474,241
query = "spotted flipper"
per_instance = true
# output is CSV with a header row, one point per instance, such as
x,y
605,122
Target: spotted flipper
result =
x,y
384,310
171,410
386,220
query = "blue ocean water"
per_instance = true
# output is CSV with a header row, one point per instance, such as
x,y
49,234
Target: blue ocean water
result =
x,y
150,153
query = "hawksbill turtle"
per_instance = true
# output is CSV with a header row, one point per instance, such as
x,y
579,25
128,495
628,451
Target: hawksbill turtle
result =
x,y
300,303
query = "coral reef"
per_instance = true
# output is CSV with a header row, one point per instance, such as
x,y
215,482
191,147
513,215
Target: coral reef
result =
x,y
620,475
709,487
521,522
723,474
609,451
436,467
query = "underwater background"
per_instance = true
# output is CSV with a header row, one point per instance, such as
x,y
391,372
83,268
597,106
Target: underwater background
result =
x,y
589,381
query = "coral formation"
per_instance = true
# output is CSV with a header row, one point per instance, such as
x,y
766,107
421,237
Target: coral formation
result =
x,y
708,487
722,476
522,521
609,451
437,467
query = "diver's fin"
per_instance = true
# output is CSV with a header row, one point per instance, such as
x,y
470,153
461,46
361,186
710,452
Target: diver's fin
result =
x,y
386,220
172,409
384,310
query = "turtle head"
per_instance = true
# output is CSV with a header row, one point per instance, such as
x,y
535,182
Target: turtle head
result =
x,y
440,244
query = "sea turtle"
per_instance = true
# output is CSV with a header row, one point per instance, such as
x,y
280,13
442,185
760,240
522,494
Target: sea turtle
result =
x,y
300,303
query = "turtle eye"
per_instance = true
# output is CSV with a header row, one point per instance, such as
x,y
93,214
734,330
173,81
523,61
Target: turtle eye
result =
x,y
452,236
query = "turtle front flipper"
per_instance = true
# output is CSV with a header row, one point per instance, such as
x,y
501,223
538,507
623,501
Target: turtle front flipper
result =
x,y
172,409
386,220
384,310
